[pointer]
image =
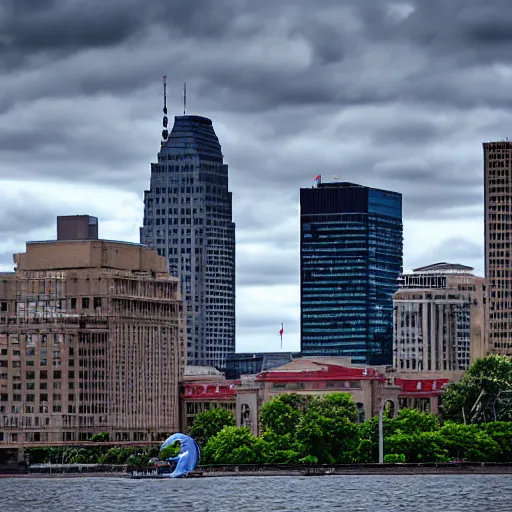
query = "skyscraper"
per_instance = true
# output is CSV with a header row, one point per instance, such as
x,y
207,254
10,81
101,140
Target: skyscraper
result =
x,y
350,261
498,245
188,219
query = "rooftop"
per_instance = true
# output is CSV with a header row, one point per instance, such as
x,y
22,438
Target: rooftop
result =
x,y
444,268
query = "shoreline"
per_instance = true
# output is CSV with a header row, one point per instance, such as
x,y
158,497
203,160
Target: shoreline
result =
x,y
464,468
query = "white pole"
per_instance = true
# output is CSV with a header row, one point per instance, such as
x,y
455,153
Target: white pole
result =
x,y
381,433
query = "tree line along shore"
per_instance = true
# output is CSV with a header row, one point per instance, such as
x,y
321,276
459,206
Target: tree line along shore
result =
x,y
474,425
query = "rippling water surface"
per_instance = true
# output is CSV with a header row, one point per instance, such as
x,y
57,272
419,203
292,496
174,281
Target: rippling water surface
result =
x,y
465,493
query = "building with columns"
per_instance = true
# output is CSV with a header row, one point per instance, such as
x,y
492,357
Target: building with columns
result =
x,y
438,319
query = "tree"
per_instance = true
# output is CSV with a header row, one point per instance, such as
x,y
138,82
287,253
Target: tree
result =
x,y
232,445
330,439
468,442
501,433
209,423
335,405
412,421
272,448
279,416
483,394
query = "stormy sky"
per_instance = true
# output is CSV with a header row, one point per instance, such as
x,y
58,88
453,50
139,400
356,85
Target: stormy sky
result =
x,y
396,95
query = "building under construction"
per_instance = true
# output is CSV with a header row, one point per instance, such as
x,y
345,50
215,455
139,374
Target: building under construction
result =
x,y
91,340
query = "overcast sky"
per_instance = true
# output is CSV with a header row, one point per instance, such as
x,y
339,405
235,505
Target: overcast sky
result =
x,y
388,94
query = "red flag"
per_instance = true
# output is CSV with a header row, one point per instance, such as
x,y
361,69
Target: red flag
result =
x,y
281,331
316,178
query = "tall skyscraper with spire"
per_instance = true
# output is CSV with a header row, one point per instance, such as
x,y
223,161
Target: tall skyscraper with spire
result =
x,y
188,219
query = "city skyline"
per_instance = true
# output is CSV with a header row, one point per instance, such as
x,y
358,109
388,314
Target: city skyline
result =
x,y
287,104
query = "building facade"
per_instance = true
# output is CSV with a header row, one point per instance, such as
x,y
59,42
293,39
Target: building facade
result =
x,y
498,244
91,340
438,319
369,387
188,220
350,260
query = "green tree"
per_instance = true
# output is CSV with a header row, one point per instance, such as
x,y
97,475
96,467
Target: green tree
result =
x,y
331,439
483,394
279,416
417,446
501,433
272,448
468,442
232,445
334,405
209,423
412,421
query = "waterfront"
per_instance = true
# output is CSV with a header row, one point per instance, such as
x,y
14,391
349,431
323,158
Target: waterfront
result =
x,y
377,493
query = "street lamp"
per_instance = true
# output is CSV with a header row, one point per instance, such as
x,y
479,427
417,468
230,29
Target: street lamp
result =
x,y
381,431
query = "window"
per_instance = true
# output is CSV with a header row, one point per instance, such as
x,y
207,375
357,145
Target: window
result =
x,y
57,374
85,302
3,307
97,302
73,303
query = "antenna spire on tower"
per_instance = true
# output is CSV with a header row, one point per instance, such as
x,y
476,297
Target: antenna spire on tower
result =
x,y
165,132
184,98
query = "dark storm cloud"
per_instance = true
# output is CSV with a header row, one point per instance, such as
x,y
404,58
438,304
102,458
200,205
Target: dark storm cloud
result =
x,y
393,95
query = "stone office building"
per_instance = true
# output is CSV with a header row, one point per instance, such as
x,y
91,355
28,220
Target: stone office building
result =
x,y
91,340
438,319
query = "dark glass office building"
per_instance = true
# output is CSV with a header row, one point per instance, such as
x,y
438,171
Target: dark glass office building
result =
x,y
351,246
188,219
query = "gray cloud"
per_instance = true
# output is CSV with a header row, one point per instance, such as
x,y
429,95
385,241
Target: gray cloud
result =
x,y
453,250
393,95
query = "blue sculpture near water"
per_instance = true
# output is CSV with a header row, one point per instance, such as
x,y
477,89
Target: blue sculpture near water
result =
x,y
189,455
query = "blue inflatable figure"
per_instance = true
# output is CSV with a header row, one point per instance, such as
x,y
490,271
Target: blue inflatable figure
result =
x,y
189,455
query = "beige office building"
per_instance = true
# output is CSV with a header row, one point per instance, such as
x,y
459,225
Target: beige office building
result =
x,y
498,240
91,340
438,319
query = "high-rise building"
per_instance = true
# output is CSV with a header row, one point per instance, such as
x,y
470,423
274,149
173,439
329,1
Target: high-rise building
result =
x,y
498,245
188,219
438,319
91,340
350,261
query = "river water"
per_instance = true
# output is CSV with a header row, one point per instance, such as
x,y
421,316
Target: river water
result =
x,y
418,493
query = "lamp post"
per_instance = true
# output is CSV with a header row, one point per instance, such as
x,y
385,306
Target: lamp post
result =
x,y
381,431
